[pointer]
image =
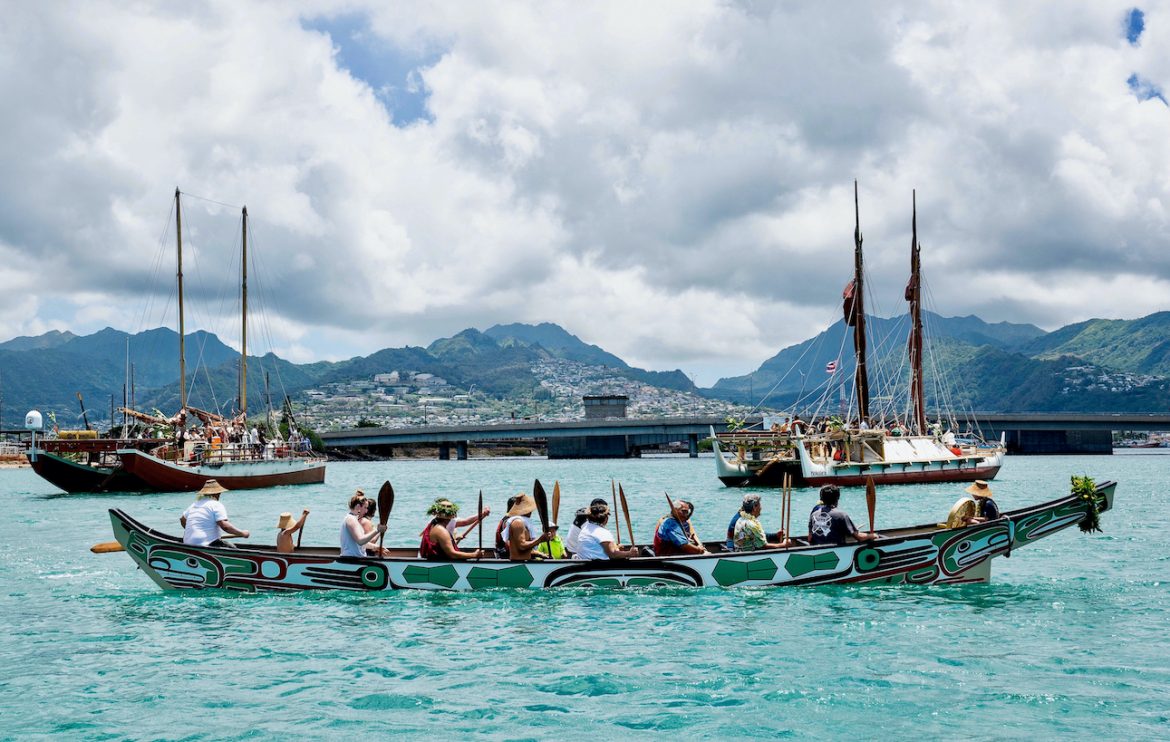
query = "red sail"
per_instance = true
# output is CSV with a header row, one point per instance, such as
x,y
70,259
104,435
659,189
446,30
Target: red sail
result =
x,y
850,305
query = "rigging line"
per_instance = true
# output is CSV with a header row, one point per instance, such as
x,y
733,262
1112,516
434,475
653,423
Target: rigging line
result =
x,y
783,378
213,201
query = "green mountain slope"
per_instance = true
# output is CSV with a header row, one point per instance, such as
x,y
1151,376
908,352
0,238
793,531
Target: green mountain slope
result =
x,y
1139,345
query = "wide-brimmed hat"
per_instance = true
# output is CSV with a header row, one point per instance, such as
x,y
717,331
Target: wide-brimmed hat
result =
x,y
443,508
211,487
979,489
524,505
286,521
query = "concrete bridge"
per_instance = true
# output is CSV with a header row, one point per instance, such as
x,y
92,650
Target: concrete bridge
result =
x,y
617,438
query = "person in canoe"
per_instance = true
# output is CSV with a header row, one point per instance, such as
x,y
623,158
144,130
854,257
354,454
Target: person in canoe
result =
x,y
286,527
675,533
205,521
829,525
748,534
353,536
501,535
520,533
437,543
978,507
454,523
596,542
749,503
571,541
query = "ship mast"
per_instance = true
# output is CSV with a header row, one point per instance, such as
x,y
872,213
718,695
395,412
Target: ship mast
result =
x,y
182,327
914,296
855,314
244,319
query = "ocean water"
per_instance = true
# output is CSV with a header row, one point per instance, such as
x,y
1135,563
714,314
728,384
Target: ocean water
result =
x,y
1066,640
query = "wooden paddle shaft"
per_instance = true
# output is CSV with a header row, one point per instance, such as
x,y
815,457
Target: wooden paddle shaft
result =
x,y
301,532
626,512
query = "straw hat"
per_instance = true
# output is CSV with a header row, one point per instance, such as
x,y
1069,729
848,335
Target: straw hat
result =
x,y
525,505
979,489
286,521
211,487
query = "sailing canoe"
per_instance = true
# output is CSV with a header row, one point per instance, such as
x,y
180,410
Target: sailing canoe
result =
x,y
920,555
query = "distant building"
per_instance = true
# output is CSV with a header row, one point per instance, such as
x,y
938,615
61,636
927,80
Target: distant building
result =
x,y
601,406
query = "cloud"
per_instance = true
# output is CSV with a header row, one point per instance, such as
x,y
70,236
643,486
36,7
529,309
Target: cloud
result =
x,y
671,181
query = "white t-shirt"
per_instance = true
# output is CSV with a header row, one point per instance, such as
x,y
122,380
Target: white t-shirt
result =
x,y
574,538
203,518
589,543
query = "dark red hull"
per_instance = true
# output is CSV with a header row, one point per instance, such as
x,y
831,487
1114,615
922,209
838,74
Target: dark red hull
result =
x,y
893,474
166,476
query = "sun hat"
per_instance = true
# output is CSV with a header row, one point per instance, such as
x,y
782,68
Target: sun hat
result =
x,y
443,508
524,505
211,487
286,521
979,489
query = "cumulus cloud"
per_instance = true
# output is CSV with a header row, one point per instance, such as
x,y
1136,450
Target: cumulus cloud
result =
x,y
671,181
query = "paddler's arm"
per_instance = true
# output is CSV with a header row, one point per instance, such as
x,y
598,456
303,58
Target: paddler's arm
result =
x,y
355,530
300,523
613,552
517,533
226,525
446,545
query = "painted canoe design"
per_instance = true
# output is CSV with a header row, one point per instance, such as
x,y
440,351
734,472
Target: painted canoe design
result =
x,y
909,556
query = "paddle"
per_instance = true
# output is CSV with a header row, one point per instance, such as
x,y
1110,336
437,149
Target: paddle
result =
x,y
385,505
541,498
301,532
556,504
870,500
480,524
107,547
675,515
626,511
618,526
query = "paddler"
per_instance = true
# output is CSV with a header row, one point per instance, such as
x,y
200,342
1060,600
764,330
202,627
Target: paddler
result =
x,y
978,507
748,534
675,534
205,520
519,530
437,543
596,542
286,527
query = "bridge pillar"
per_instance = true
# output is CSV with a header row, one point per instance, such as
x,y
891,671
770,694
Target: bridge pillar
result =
x,y
693,445
444,452
461,450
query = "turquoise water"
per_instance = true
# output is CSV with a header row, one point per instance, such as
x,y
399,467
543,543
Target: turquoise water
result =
x,y
1066,640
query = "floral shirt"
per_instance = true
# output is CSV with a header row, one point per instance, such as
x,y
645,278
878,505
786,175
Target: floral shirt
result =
x,y
749,534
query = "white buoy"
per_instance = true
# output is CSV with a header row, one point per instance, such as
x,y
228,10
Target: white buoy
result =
x,y
32,423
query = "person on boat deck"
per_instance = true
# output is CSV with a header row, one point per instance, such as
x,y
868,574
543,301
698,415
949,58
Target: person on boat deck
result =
x,y
863,424
205,520
827,525
978,507
437,543
353,536
501,543
286,528
367,522
675,533
574,537
896,430
748,533
519,528
597,543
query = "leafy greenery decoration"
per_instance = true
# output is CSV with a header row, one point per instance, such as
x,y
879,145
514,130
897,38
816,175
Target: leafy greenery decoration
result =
x,y
1086,489
734,423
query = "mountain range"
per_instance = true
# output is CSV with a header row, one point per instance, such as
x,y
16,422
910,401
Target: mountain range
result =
x,y
1098,365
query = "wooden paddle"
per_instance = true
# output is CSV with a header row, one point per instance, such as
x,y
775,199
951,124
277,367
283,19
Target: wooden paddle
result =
x,y
385,505
541,498
556,504
870,500
480,523
301,532
618,526
108,547
626,511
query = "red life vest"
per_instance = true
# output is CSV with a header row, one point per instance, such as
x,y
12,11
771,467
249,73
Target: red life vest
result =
x,y
428,549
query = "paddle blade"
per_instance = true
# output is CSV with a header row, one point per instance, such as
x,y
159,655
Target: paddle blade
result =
x,y
106,547
541,498
556,505
870,500
480,523
385,502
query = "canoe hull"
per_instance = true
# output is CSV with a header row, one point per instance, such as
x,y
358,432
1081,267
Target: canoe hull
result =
x,y
167,476
923,555
74,477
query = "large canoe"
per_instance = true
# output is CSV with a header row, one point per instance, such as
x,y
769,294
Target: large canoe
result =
x,y
921,555
87,465
242,473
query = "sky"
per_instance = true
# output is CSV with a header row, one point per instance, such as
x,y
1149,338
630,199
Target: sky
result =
x,y
672,181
